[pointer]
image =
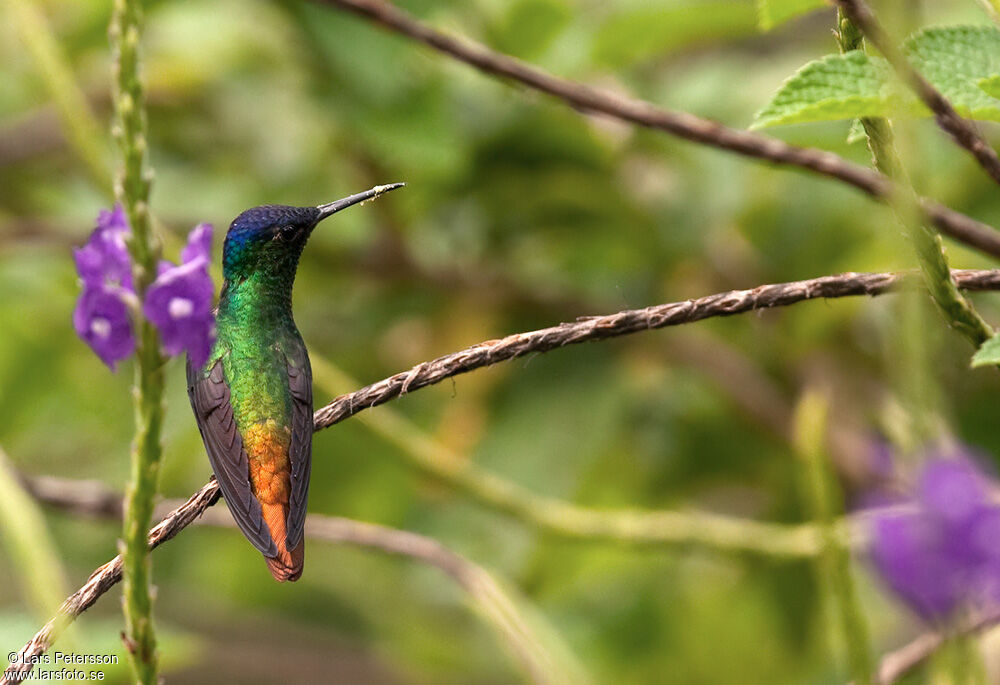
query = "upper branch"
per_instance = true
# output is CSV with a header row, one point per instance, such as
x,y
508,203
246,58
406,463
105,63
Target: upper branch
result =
x,y
945,115
681,124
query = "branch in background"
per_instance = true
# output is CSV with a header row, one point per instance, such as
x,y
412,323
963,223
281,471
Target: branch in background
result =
x,y
945,115
681,124
558,517
624,323
92,498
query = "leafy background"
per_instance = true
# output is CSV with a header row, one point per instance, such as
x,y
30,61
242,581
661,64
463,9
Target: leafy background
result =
x,y
519,213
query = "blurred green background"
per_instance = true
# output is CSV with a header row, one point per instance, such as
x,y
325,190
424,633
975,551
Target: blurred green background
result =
x,y
519,213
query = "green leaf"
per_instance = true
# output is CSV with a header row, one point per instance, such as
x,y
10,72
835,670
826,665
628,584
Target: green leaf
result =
x,y
955,59
770,13
991,84
988,353
632,35
836,87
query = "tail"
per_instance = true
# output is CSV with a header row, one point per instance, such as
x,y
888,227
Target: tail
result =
x,y
288,564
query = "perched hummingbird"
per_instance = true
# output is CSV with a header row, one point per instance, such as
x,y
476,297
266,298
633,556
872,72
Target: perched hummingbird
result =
x,y
253,397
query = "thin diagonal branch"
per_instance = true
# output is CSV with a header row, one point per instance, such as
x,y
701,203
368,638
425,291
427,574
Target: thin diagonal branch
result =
x,y
961,130
681,124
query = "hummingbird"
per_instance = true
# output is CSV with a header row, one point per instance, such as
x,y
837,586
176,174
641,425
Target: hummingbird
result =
x,y
253,398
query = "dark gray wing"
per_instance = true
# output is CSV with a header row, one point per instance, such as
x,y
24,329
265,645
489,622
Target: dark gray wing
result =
x,y
209,396
300,450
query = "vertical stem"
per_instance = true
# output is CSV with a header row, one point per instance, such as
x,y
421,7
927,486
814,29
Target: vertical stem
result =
x,y
132,189
925,240
834,562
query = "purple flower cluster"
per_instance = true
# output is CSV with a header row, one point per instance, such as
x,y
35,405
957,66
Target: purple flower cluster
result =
x,y
940,550
178,302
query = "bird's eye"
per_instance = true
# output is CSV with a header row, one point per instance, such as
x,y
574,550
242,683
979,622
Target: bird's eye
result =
x,y
283,233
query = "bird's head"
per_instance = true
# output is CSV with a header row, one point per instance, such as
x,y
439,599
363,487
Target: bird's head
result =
x,y
274,235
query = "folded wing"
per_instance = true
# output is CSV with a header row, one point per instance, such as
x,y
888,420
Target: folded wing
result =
x,y
300,450
210,399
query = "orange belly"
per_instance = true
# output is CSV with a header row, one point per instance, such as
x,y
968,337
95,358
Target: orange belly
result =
x,y
266,445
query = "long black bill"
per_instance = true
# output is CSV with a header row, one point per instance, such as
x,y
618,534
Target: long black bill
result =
x,y
334,207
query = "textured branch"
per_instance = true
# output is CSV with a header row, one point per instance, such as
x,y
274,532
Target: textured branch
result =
x,y
626,322
963,132
681,124
92,498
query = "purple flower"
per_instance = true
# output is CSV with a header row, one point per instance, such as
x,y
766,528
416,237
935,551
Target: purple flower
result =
x,y
104,260
102,320
179,302
942,552
199,244
101,317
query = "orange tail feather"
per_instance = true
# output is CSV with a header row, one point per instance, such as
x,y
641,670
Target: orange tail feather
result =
x,y
288,564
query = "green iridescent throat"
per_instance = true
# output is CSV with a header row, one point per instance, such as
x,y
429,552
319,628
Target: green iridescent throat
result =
x,y
255,333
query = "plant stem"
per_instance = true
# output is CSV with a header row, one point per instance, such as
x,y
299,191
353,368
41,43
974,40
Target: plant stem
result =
x,y
926,242
834,562
132,189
